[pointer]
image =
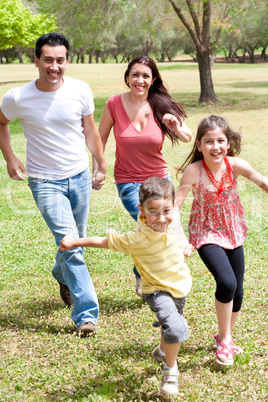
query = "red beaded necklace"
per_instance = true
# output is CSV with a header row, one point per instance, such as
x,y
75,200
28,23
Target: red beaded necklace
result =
x,y
226,179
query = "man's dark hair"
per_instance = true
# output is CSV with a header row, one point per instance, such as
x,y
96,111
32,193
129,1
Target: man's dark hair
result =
x,y
51,39
155,188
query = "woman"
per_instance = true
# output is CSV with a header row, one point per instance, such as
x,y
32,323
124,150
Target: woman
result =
x,y
141,118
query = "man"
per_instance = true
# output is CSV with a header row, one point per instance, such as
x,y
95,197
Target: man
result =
x,y
56,114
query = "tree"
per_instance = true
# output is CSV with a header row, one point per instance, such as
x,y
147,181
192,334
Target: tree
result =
x,y
199,30
166,44
254,32
19,27
246,32
84,22
204,21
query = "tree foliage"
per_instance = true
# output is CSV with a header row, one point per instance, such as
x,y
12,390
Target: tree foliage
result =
x,y
19,27
84,22
127,28
205,22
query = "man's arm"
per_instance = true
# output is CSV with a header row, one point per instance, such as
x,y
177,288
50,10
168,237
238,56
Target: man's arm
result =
x,y
14,165
93,143
68,242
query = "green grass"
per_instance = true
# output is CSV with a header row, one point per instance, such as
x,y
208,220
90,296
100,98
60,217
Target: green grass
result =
x,y
40,357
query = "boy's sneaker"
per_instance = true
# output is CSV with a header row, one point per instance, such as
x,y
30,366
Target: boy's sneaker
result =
x,y
169,384
158,357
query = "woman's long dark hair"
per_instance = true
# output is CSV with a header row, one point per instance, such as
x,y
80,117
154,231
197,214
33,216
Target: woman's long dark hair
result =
x,y
158,97
209,123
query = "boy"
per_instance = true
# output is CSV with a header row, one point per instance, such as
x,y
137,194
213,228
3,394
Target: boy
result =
x,y
157,246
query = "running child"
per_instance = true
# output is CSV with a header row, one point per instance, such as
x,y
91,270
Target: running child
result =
x,y
157,246
217,226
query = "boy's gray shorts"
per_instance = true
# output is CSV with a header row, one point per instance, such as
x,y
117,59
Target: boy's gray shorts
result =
x,y
169,314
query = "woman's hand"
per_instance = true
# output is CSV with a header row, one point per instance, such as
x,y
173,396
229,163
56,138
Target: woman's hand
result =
x,y
178,127
171,122
98,180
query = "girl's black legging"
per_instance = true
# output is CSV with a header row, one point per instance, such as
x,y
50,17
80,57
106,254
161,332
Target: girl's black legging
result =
x,y
227,267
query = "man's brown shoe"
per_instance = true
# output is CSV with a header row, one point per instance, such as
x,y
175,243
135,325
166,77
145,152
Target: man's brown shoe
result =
x,y
65,295
86,329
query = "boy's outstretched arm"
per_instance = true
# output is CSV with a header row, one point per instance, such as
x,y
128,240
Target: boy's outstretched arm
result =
x,y
69,242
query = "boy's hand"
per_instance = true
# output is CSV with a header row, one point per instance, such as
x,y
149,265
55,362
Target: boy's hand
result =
x,y
188,250
67,243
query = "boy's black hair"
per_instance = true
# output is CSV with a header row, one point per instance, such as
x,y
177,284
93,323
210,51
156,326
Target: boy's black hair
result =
x,y
51,39
155,188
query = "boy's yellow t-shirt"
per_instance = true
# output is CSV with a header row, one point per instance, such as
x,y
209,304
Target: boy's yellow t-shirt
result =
x,y
158,257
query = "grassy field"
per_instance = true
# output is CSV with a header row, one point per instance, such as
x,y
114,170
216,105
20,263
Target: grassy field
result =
x,y
41,359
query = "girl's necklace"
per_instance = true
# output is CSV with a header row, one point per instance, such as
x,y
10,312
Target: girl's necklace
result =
x,y
147,112
226,179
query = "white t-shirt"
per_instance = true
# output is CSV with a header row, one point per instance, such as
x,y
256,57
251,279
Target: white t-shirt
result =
x,y
51,122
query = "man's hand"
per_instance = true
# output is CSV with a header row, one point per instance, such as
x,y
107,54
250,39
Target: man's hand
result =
x,y
14,169
98,180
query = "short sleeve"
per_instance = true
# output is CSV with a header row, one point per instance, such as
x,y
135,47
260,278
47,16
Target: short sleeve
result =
x,y
110,104
119,242
9,107
88,99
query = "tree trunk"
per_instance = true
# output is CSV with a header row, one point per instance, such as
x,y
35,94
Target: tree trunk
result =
x,y
207,95
91,54
6,56
251,54
232,54
263,54
19,54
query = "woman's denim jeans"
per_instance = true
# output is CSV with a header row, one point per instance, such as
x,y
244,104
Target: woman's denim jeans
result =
x,y
64,205
129,195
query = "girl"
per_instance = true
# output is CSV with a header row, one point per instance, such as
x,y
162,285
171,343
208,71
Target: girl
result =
x,y
217,226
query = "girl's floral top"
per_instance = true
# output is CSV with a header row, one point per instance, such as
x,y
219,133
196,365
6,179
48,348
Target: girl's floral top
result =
x,y
217,219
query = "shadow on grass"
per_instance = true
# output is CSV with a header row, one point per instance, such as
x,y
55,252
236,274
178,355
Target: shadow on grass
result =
x,y
201,356
230,100
21,82
125,379
116,305
32,314
126,388
249,84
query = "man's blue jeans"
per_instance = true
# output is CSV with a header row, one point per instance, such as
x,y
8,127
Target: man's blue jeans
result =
x,y
64,205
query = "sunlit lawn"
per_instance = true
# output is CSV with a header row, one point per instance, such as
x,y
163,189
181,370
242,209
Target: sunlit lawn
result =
x,y
40,357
